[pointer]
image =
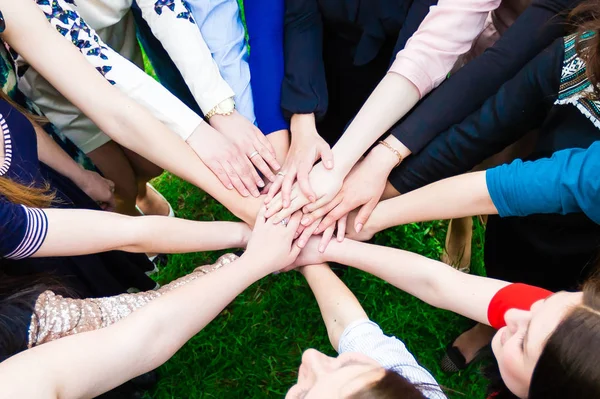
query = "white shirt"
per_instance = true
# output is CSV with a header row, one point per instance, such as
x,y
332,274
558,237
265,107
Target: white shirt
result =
x,y
104,32
364,336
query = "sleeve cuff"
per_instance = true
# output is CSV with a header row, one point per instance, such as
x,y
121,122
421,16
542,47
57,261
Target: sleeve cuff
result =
x,y
493,180
37,229
414,72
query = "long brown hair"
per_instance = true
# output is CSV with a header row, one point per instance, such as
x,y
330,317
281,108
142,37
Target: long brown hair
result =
x,y
17,193
586,19
30,196
568,365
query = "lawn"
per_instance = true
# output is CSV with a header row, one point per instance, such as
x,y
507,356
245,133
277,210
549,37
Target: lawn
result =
x,y
253,349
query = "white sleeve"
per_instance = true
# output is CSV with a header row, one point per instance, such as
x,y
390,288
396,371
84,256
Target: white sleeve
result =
x,y
173,25
364,336
119,71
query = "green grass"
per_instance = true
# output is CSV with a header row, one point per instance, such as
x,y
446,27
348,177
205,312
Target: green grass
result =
x,y
253,349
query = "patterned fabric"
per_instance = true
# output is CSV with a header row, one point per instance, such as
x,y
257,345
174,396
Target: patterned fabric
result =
x,y
575,88
171,5
69,23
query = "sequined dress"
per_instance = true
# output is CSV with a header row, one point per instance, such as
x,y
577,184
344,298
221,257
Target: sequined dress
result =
x,y
56,317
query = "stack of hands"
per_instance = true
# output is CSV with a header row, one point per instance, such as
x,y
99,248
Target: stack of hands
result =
x,y
331,200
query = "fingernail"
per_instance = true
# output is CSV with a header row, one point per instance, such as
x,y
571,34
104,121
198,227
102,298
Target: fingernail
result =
x,y
311,198
296,235
305,221
359,227
277,166
276,273
329,164
245,193
321,249
261,183
286,204
267,200
230,187
301,243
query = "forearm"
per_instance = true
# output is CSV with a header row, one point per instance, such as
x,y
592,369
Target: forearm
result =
x,y
50,153
454,197
95,231
106,358
390,101
431,281
339,307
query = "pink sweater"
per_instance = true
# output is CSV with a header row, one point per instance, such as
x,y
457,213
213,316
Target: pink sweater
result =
x,y
453,32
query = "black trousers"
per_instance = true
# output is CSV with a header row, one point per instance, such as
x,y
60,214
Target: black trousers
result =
x,y
556,252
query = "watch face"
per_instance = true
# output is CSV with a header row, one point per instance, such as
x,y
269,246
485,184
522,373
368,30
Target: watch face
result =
x,y
227,106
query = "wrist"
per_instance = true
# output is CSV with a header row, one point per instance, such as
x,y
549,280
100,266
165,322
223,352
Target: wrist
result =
x,y
304,124
244,234
381,159
78,176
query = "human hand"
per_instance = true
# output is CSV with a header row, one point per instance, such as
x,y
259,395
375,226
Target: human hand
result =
x,y
326,184
366,233
362,189
307,147
271,244
231,166
249,140
99,189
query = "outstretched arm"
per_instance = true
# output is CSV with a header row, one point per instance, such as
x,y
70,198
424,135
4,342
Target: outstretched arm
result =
x,y
562,184
431,281
88,364
62,232
339,307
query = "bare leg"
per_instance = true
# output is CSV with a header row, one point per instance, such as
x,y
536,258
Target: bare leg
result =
x,y
114,164
149,202
457,251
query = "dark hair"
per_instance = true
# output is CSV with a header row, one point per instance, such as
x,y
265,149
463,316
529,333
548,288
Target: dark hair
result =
x,y
567,367
18,295
586,19
391,386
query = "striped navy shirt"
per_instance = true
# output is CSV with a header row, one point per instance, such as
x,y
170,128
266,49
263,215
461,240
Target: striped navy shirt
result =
x,y
22,230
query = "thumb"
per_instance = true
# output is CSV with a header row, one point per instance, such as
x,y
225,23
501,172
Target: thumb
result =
x,y
326,156
363,215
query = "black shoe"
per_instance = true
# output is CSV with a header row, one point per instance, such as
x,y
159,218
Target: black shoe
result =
x,y
454,361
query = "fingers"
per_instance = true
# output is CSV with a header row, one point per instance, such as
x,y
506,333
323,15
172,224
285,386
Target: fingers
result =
x,y
286,187
363,215
299,231
274,188
221,173
275,205
260,217
235,179
296,204
257,179
293,224
305,236
319,213
315,205
303,181
336,214
263,139
327,156
326,238
242,168
341,228
266,150
257,158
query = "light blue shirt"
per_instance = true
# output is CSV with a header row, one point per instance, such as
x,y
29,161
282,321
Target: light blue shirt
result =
x,y
221,26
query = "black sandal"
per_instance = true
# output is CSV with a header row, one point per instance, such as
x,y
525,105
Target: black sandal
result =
x,y
454,361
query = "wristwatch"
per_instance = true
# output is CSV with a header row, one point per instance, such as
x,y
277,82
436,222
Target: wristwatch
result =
x,y
225,107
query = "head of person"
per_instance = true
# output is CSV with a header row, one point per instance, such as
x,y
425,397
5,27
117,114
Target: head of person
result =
x,y
550,351
585,20
349,376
